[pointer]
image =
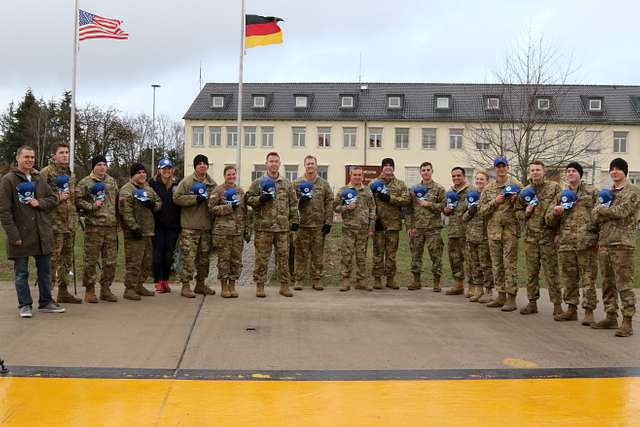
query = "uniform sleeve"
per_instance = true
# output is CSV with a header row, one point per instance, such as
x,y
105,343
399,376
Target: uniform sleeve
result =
x,y
125,210
520,208
156,200
253,195
294,215
627,207
182,196
439,201
400,197
6,211
49,199
487,205
549,218
82,201
216,207
372,212
328,205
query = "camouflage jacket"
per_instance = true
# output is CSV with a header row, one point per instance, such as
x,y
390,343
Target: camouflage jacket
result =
x,y
476,225
618,222
427,218
498,216
390,213
193,215
536,229
275,215
317,211
64,218
104,215
228,221
363,216
456,226
135,215
576,228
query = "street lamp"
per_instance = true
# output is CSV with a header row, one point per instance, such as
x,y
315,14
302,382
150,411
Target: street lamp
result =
x,y
153,129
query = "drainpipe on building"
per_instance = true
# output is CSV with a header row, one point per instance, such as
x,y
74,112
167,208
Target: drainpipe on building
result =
x,y
365,143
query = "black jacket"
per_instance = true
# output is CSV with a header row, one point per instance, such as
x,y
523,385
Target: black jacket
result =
x,y
169,215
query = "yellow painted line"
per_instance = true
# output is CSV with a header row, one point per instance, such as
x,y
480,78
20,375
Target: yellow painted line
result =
x,y
127,402
520,363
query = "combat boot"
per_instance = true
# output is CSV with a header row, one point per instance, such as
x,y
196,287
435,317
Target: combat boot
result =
x,y
609,322
377,283
477,293
531,308
436,284
345,285
486,296
468,292
143,292
510,303
566,316
557,309
416,283
226,292
107,295
317,285
260,290
298,286
90,295
232,288
203,289
65,297
498,301
362,286
391,284
626,330
285,291
458,288
588,317
186,291
131,294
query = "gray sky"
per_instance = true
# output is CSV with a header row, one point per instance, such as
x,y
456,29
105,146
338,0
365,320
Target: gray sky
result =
x,y
400,41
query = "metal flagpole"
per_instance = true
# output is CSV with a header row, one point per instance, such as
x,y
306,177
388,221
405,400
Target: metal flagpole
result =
x,y
239,149
72,127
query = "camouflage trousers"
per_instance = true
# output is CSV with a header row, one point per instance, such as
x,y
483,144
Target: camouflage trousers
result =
x,y
309,249
229,252
62,258
385,247
353,243
432,239
541,255
138,256
195,248
617,267
264,241
579,270
456,248
479,264
504,263
100,243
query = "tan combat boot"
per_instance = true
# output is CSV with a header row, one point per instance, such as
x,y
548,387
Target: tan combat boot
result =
x,y
90,295
436,284
131,294
498,301
362,285
588,317
626,330
486,296
377,283
566,316
477,293
186,291
391,284
345,285
226,291
458,288
510,303
468,292
557,309
203,289
609,322
65,297
232,288
107,295
143,292
260,290
531,308
298,286
317,285
285,291
416,283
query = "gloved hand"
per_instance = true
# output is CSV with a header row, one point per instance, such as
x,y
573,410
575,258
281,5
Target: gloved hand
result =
x,y
247,237
295,227
385,197
326,229
149,204
234,206
303,200
136,233
266,197
200,198
472,210
379,226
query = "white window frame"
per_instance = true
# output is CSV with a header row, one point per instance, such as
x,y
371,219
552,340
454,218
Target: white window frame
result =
x,y
378,140
620,142
394,101
634,178
350,137
494,106
400,142
232,136
288,172
299,134
456,139
324,137
323,172
348,104
250,136
427,133
541,104
217,101
258,170
197,136
262,101
592,106
218,140
302,101
443,102
267,136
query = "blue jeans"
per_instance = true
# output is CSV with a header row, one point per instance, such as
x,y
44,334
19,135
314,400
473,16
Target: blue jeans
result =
x,y
21,267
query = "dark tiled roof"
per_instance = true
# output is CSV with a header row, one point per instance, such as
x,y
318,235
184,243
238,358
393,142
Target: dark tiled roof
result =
x,y
621,104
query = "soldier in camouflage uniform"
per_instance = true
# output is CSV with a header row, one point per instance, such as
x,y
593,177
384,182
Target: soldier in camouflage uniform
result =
x,y
64,219
136,204
229,230
274,216
503,232
358,222
388,225
576,241
101,229
424,225
616,243
478,248
457,243
195,223
539,239
316,217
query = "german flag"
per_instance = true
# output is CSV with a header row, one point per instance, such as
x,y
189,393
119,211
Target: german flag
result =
x,y
262,30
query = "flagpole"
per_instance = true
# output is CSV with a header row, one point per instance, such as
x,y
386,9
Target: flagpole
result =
x,y
72,126
239,149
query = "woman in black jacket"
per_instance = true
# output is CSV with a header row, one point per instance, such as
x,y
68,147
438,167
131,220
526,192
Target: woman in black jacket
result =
x,y
167,225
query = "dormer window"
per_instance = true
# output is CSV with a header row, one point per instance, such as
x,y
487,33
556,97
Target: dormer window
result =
x,y
301,101
259,101
493,103
544,104
443,102
346,101
595,104
394,102
218,101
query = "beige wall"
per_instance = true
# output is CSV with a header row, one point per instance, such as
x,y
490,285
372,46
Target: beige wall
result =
x,y
337,156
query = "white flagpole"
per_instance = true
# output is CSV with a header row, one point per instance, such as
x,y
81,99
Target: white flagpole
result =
x,y
72,127
242,40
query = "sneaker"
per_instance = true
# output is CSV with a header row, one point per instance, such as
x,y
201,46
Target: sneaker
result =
x,y
25,311
160,287
167,288
52,307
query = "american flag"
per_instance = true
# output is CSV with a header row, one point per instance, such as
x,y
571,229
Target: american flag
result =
x,y
96,27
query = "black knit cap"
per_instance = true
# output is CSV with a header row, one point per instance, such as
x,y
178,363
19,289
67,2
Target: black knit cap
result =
x,y
137,167
200,158
97,159
577,166
621,164
388,161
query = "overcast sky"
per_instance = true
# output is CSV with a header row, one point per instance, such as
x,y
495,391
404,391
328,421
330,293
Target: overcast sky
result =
x,y
400,41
